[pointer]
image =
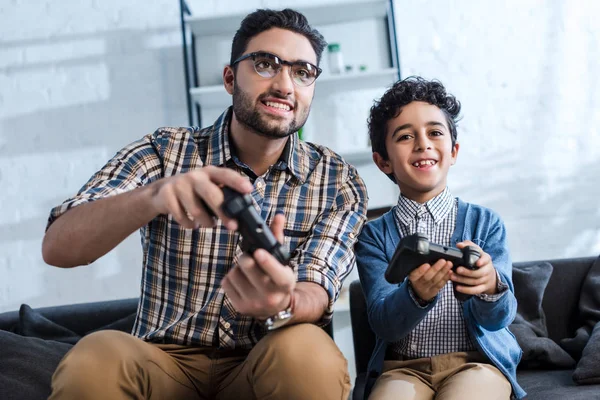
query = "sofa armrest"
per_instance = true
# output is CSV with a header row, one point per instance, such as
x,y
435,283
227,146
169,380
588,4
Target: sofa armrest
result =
x,y
358,392
363,336
79,318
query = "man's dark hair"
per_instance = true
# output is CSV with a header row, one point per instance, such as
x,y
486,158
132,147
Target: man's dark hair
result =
x,y
262,20
402,93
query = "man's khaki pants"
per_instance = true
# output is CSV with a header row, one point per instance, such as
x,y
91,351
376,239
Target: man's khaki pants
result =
x,y
296,362
456,376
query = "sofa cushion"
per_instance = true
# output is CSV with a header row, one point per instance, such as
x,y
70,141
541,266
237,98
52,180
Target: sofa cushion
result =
x,y
589,312
588,368
27,365
529,326
530,282
554,385
34,324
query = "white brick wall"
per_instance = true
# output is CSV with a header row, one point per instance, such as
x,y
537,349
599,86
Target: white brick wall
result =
x,y
79,79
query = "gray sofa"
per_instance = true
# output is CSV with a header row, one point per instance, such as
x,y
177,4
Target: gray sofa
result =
x,y
33,341
556,326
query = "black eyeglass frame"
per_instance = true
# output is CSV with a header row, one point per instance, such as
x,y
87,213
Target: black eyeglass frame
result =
x,y
281,62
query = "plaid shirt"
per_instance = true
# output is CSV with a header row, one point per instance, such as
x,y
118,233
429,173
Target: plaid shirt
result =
x,y
182,301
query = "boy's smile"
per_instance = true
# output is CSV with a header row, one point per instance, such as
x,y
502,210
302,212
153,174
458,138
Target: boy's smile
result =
x,y
420,151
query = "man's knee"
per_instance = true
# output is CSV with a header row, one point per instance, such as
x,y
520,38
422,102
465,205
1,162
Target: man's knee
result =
x,y
299,362
95,355
306,347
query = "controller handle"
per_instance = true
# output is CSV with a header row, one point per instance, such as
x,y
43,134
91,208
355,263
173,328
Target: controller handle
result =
x,y
253,229
420,244
470,257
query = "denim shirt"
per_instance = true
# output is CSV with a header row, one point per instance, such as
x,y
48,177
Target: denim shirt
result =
x,y
393,314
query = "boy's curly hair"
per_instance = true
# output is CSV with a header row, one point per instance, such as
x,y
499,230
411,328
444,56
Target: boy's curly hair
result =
x,y
403,92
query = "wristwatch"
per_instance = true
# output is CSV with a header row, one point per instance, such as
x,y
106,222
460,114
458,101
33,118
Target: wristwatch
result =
x,y
281,318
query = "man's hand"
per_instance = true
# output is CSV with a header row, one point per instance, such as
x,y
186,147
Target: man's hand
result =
x,y
428,280
480,280
186,196
260,286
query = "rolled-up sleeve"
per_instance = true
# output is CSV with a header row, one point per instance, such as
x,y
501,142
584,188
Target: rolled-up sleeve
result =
x,y
133,166
327,257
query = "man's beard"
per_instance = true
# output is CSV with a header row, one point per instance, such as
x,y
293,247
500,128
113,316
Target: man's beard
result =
x,y
249,116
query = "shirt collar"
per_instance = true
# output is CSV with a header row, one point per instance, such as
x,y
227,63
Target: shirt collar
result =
x,y
438,207
220,151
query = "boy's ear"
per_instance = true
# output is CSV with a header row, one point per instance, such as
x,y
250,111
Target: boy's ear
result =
x,y
455,152
384,165
228,78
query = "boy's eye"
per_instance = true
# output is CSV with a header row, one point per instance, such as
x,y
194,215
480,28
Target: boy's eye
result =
x,y
404,137
437,133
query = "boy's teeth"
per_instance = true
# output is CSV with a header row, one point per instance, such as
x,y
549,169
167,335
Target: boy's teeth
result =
x,y
278,105
424,162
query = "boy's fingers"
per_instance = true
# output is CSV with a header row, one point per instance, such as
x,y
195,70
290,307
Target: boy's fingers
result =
x,y
484,259
435,271
417,273
443,275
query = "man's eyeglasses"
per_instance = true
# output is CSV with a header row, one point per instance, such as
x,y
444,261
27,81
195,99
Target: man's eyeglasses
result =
x,y
269,65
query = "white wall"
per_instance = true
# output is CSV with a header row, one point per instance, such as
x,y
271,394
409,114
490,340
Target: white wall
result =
x,y
79,79
527,75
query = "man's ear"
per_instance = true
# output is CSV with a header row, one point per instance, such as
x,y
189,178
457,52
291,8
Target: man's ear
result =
x,y
228,78
455,152
384,165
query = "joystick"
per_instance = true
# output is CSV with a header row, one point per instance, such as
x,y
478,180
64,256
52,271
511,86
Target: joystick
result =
x,y
415,250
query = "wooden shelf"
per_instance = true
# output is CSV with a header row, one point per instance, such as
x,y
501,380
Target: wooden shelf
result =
x,y
317,15
216,96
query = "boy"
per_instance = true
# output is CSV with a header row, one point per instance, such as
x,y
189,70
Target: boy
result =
x,y
429,344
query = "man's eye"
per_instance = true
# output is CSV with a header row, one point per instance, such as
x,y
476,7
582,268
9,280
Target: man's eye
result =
x,y
263,64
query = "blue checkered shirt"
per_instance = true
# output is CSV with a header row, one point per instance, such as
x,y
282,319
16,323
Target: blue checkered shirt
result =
x,y
443,330
182,301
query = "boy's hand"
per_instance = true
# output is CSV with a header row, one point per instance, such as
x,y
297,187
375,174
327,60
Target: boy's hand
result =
x,y
478,281
427,280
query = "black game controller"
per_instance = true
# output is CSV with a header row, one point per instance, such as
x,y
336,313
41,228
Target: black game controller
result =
x,y
415,250
255,232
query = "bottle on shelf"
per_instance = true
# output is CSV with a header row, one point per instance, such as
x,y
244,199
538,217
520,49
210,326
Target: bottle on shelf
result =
x,y
336,61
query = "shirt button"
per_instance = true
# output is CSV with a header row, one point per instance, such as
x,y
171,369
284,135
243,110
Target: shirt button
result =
x,y
352,235
413,347
259,184
227,325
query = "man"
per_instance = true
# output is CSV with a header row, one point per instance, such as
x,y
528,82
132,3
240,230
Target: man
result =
x,y
213,322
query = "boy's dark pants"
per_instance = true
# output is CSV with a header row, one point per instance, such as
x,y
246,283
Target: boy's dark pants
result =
x,y
456,376
296,362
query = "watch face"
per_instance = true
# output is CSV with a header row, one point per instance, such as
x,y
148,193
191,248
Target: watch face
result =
x,y
279,320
